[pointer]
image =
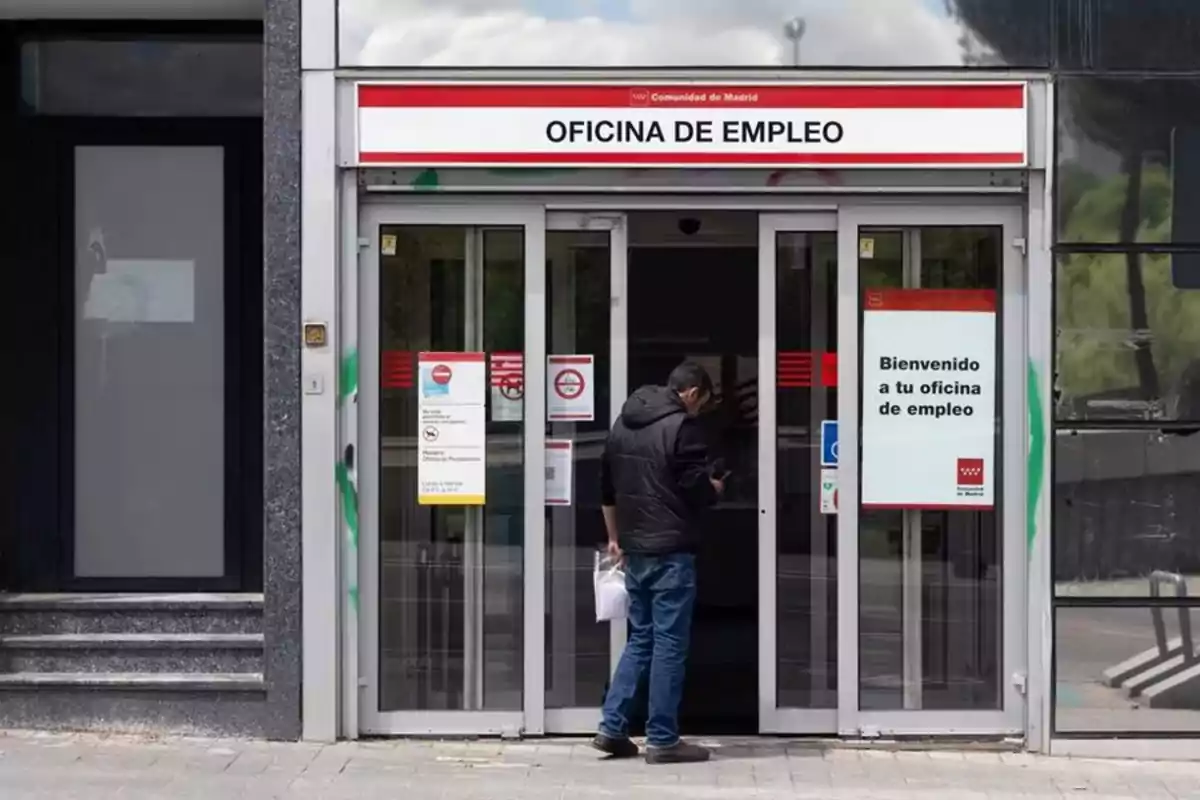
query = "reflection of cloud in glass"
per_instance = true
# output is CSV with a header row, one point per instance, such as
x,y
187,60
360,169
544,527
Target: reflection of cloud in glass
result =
x,y
646,33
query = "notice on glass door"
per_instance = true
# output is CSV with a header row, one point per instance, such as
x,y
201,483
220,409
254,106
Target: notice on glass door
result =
x,y
929,399
452,429
560,463
508,386
571,388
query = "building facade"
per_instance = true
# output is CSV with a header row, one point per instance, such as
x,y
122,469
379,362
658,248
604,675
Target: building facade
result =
x,y
152,163
1009,179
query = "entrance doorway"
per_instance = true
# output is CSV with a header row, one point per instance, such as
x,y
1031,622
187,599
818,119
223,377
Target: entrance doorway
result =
x,y
815,614
693,296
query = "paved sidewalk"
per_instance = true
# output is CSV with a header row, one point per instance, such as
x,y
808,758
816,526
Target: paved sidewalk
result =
x,y
56,767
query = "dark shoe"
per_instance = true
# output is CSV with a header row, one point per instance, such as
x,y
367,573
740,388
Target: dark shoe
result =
x,y
679,753
615,748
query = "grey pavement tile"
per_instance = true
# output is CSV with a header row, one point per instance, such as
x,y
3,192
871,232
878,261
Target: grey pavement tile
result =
x,y
56,767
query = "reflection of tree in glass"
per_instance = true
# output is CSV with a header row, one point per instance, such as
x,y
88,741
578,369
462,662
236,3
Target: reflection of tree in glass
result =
x,y
1136,120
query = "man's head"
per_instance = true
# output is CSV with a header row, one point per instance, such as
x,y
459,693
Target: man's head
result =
x,y
693,385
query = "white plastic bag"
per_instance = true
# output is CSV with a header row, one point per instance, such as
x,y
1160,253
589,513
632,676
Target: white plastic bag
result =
x,y
608,580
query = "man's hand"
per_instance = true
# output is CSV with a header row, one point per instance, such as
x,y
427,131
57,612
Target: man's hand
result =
x,y
613,551
718,485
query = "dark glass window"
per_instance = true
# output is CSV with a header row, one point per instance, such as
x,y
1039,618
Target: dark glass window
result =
x,y
1127,34
1129,160
1125,508
142,78
1128,338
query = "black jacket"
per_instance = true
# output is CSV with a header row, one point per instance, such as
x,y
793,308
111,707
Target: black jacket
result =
x,y
655,471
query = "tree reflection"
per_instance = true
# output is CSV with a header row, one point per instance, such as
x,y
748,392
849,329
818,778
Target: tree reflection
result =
x,y
1134,119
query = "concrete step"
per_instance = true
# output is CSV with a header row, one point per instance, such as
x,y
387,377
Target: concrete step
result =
x,y
40,614
132,653
135,682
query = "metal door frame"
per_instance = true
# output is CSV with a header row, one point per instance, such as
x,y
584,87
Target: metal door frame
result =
x,y
1010,719
580,720
531,718
772,718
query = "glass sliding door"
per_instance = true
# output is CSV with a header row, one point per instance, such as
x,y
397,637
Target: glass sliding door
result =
x,y
798,555
448,469
930,527
585,330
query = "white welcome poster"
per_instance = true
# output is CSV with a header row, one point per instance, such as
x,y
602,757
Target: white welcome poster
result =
x,y
929,399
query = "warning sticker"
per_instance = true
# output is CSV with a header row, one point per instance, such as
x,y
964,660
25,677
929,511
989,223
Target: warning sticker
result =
x,y
570,392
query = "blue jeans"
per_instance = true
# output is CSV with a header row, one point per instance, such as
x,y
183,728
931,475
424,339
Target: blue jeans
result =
x,y
662,593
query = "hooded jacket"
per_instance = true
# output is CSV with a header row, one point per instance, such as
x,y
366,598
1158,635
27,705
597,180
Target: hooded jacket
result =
x,y
655,472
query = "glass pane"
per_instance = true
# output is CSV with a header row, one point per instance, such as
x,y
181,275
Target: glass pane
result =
x,y
1123,509
577,316
143,78
806,537
1128,34
1129,160
1097,689
1128,338
450,633
601,33
149,362
931,613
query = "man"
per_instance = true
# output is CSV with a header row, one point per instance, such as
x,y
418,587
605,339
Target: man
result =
x,y
656,480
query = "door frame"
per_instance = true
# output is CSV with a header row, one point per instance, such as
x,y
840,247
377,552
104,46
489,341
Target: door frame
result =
x,y
531,718
1010,719
771,718
845,216
583,720
848,719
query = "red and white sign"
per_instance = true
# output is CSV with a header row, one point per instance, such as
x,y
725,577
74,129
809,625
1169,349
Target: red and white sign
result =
x,y
507,386
570,392
451,429
560,464
967,124
929,399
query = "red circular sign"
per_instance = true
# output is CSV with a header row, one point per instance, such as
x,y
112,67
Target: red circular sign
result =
x,y
568,384
441,374
512,387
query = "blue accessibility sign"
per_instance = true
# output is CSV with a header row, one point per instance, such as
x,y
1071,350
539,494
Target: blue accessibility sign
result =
x,y
829,443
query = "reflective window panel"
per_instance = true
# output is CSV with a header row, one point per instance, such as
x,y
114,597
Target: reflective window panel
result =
x,y
450,616
1128,337
149,362
577,319
1129,160
806,538
629,33
930,582
1127,34
1125,509
1126,671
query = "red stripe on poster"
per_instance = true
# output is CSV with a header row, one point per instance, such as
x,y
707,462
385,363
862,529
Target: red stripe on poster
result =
x,y
454,358
983,300
939,96
507,369
921,507
694,159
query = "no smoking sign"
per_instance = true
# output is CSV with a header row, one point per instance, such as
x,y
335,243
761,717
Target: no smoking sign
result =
x,y
570,396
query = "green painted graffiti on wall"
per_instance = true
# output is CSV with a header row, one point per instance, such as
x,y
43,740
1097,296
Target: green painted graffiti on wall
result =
x,y
348,380
345,476
1036,468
